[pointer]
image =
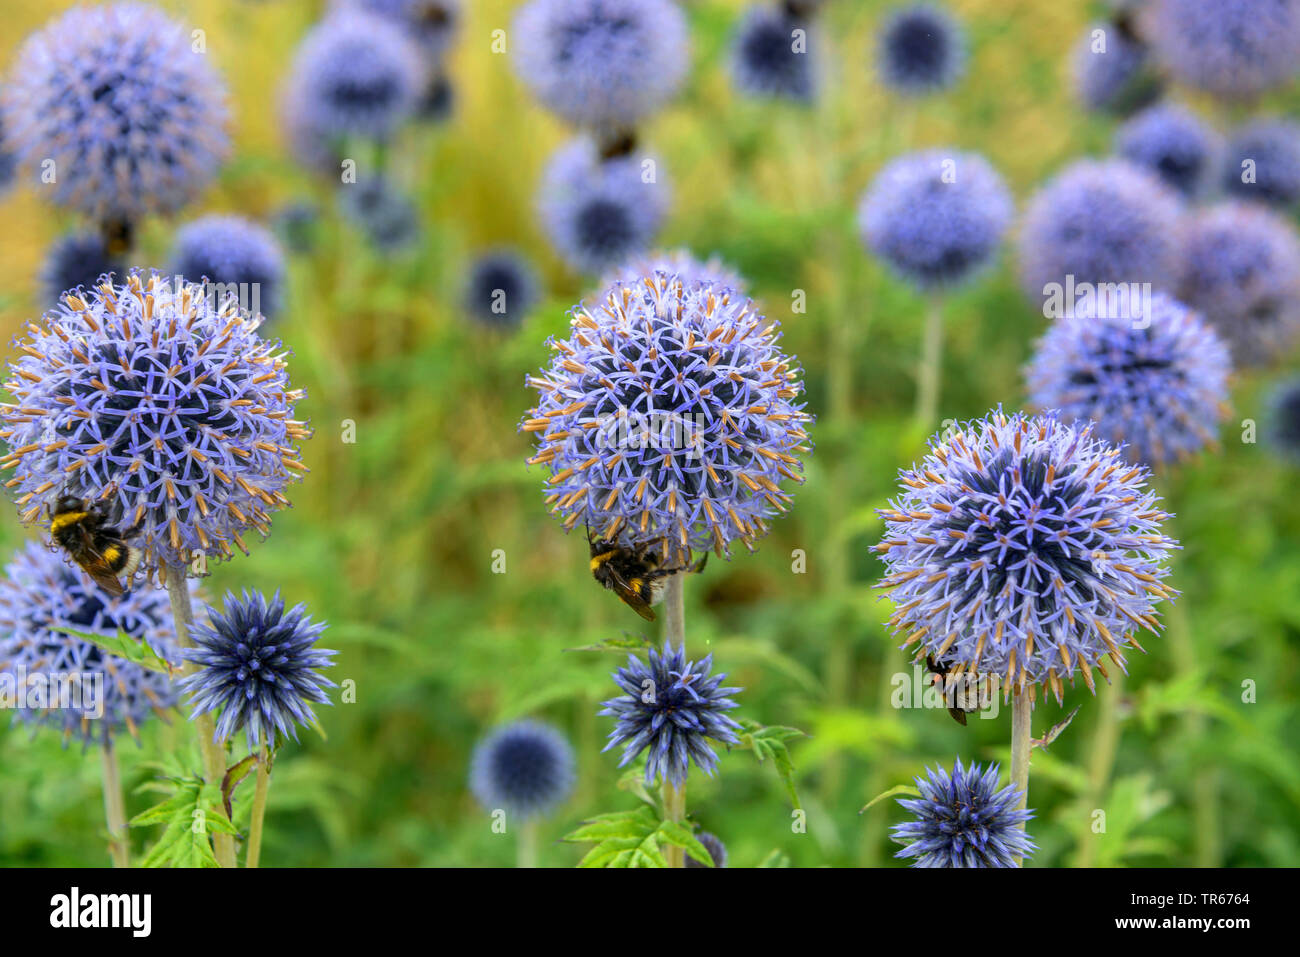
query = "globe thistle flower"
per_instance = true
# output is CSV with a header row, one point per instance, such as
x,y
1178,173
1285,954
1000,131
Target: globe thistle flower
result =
x,y
1282,420
598,213
601,64
1263,163
75,261
502,288
525,768
964,820
670,708
1235,49
40,595
387,217
169,408
7,161
432,24
1172,142
669,418
681,263
920,50
296,224
355,74
258,669
773,55
233,251
1104,221
1112,69
132,117
1154,379
935,218
1241,269
717,851
1026,548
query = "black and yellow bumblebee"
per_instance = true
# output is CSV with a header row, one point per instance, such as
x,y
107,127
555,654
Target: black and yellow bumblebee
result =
x,y
85,532
965,696
637,576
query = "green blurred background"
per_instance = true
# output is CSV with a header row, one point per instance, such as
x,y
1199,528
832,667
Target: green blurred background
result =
x,y
392,538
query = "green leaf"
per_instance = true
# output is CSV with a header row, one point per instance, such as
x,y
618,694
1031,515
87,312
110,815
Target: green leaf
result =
x,y
124,646
776,858
769,743
189,816
620,644
907,789
634,839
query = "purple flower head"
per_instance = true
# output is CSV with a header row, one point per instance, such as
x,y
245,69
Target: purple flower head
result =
x,y
1152,377
73,262
1263,163
502,288
1241,270
1112,69
432,24
599,213
525,768
7,162
681,263
354,74
670,708
920,50
234,252
1231,48
1172,142
1024,548
131,115
669,418
387,216
717,851
964,820
40,595
164,405
1100,222
1282,432
774,55
601,64
258,669
936,218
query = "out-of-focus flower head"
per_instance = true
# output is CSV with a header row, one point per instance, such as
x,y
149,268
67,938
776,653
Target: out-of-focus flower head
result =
x,y
1235,49
75,261
1112,69
678,262
502,288
774,55
1282,420
920,50
432,24
130,114
1172,142
717,851
232,251
1263,162
387,216
525,768
161,403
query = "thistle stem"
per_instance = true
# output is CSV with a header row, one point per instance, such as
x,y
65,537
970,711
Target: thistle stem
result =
x,y
675,634
214,762
115,807
260,789
1020,748
927,379
527,850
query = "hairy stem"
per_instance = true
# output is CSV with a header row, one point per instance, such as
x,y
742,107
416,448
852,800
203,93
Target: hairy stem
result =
x,y
1020,747
214,762
115,807
527,849
263,785
675,634
927,379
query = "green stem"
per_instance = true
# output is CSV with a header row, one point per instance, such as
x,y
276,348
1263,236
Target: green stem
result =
x,y
214,762
263,785
675,634
927,379
115,807
1021,709
527,849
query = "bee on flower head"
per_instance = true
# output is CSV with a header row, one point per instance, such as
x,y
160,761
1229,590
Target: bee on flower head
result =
x,y
636,575
84,530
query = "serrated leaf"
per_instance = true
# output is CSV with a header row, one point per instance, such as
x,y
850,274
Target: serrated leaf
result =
x,y
123,645
679,835
1055,731
907,789
769,744
633,781
181,844
634,839
622,643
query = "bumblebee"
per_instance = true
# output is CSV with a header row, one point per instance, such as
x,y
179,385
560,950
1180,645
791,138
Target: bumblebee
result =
x,y
965,696
637,576
83,531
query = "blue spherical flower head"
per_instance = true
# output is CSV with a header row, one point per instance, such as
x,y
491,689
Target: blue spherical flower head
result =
x,y
773,55
1172,142
717,851
1112,69
964,820
1026,549
258,669
387,216
601,64
40,596
671,708
1263,163
1100,222
681,263
233,253
1153,376
502,288
598,212
131,115
164,405
935,218
75,261
1234,49
525,768
432,24
920,50
1241,269
669,419
355,74
1282,432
